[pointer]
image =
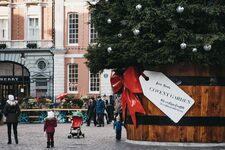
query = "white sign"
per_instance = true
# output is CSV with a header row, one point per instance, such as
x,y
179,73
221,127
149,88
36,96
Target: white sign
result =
x,y
166,95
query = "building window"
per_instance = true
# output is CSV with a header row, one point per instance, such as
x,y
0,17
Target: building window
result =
x,y
73,28
41,84
93,34
33,29
94,82
72,77
3,29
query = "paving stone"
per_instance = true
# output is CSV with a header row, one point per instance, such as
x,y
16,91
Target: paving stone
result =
x,y
31,137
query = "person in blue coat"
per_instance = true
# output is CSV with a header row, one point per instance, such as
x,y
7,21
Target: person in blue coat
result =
x,y
117,125
100,107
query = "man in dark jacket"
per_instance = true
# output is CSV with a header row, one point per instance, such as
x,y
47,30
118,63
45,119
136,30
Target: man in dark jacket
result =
x,y
91,112
100,107
12,112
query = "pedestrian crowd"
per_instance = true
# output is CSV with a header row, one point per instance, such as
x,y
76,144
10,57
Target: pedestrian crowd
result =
x,y
100,110
103,110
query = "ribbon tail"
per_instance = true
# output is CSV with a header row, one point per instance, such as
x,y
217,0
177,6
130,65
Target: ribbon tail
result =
x,y
131,101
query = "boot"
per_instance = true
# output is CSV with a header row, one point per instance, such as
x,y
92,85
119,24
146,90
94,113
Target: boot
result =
x,y
9,140
52,144
48,144
16,139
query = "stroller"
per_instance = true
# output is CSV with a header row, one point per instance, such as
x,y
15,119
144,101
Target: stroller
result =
x,y
75,129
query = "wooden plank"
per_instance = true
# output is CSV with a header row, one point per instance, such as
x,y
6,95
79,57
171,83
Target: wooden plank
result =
x,y
54,109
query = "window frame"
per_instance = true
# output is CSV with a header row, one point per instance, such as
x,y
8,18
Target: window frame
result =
x,y
68,79
35,28
94,33
89,85
76,32
6,29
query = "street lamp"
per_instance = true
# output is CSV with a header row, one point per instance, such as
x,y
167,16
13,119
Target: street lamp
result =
x,y
22,62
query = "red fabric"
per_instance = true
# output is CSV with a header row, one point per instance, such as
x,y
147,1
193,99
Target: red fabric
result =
x,y
61,96
131,87
50,124
76,122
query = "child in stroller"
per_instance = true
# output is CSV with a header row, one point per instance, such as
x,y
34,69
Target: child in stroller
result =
x,y
76,122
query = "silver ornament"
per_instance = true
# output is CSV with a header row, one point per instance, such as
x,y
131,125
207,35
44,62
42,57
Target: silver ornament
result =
x,y
119,35
109,49
159,41
109,21
106,0
194,50
183,45
136,31
180,9
138,7
207,47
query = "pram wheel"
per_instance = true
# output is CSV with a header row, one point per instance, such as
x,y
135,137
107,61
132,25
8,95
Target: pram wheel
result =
x,y
69,136
83,135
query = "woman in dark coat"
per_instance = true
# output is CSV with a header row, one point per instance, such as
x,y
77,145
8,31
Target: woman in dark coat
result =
x,y
12,112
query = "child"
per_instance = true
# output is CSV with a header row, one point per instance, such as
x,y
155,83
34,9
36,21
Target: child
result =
x,y
49,128
118,126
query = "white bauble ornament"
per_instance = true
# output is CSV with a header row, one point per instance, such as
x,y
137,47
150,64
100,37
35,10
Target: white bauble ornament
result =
x,y
99,45
109,21
106,0
180,9
119,35
136,31
207,47
159,41
138,7
109,49
183,45
194,50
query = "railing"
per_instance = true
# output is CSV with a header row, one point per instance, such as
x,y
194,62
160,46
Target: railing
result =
x,y
23,44
38,115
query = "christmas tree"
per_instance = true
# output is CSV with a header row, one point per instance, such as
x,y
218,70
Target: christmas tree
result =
x,y
150,33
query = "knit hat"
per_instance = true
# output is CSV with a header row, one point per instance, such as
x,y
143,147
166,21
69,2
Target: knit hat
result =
x,y
11,97
51,114
11,101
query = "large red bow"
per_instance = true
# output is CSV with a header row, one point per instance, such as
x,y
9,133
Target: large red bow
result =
x,y
131,86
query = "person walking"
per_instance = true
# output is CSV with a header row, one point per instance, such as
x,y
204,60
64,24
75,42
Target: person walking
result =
x,y
91,112
100,107
49,128
12,112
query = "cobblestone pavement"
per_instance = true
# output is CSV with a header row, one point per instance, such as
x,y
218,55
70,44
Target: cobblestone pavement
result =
x,y
31,137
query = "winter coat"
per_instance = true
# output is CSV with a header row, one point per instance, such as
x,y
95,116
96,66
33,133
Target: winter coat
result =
x,y
91,109
50,124
11,111
100,106
118,125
